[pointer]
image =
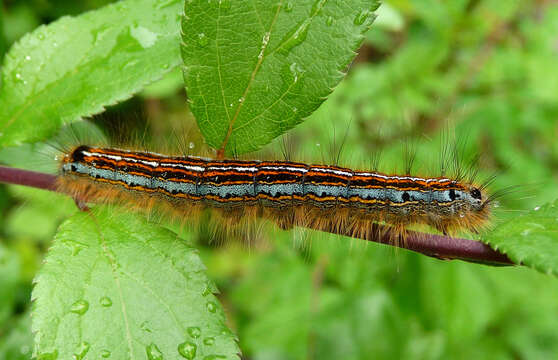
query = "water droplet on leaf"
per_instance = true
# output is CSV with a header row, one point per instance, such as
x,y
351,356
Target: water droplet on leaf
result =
x,y
294,38
209,341
224,4
105,353
187,349
317,7
289,7
202,40
105,301
82,350
194,332
362,16
80,307
153,352
207,289
53,355
211,307
329,21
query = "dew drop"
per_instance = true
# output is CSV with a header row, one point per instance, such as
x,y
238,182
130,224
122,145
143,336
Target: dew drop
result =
x,y
329,21
289,7
317,7
105,353
105,301
209,341
202,40
295,109
27,57
318,144
225,4
194,332
80,307
191,145
187,350
41,36
241,100
361,17
291,74
265,41
53,355
230,104
18,76
207,289
153,352
537,208
211,307
82,350
294,38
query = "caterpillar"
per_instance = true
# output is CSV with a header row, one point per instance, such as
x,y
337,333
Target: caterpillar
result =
x,y
290,193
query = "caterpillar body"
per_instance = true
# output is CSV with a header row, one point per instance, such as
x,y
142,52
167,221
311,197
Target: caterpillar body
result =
x,y
291,193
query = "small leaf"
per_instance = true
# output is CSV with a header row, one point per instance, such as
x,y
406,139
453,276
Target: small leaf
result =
x,y
76,66
114,285
530,239
255,69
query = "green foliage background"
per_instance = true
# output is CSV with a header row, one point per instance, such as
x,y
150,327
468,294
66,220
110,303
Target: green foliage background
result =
x,y
484,69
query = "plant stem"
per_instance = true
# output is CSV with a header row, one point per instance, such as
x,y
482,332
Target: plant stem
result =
x,y
27,178
438,246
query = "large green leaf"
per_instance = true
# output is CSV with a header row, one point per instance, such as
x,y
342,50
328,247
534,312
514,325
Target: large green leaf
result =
x,y
115,285
530,239
76,66
254,69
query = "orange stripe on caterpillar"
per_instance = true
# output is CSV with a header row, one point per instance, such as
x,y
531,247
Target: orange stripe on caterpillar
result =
x,y
281,188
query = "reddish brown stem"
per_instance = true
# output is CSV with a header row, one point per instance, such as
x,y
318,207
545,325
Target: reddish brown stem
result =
x,y
438,246
27,178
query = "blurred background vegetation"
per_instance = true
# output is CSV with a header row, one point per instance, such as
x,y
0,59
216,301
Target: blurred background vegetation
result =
x,y
484,70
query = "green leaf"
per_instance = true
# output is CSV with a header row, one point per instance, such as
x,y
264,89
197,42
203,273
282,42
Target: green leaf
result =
x,y
115,284
530,239
255,69
76,66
